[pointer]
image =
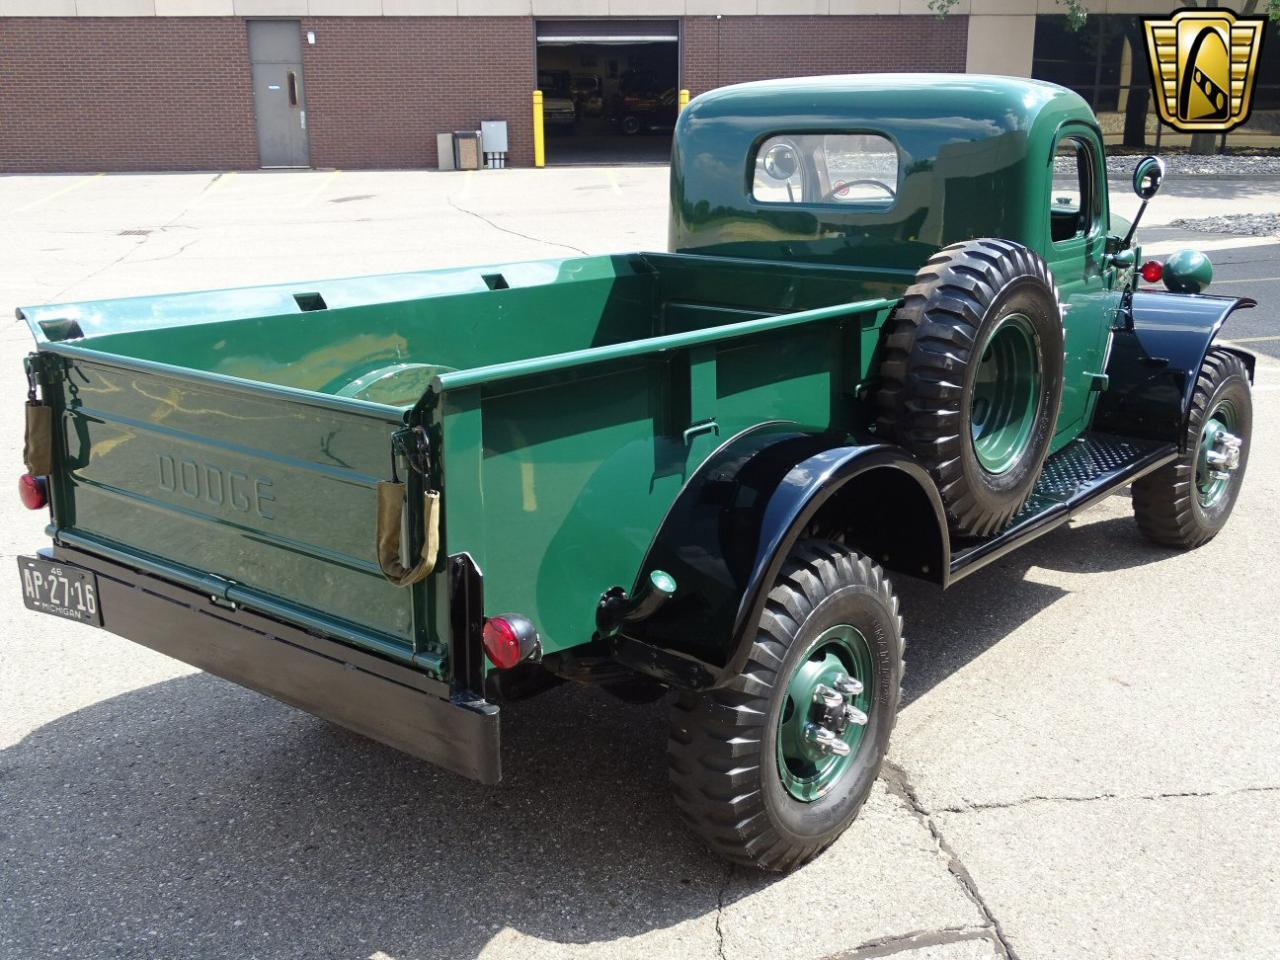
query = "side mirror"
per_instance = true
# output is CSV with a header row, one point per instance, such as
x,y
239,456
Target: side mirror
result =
x,y
1147,177
780,161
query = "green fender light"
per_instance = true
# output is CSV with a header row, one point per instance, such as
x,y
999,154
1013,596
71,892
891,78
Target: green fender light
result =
x,y
663,582
1187,271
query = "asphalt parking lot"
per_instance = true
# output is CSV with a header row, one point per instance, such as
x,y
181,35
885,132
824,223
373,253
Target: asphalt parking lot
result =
x,y
1086,763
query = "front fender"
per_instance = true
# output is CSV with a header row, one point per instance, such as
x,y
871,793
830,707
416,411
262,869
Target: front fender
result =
x,y
1155,359
729,533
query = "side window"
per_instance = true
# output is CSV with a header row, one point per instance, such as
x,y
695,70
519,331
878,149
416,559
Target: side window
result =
x,y
1071,201
857,169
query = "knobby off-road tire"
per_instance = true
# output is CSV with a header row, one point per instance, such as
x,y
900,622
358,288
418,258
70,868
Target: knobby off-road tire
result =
x,y
1179,505
971,377
726,749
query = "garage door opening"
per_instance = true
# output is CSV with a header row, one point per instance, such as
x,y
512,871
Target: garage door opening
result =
x,y
609,89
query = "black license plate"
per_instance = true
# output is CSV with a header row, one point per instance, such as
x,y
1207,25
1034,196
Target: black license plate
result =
x,y
60,589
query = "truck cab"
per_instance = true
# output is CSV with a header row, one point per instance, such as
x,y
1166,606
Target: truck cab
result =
x,y
890,169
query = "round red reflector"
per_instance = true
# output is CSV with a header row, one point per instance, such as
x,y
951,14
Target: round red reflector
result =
x,y
1152,271
32,491
501,643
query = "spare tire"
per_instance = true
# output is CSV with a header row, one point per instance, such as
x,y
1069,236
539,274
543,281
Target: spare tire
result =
x,y
971,377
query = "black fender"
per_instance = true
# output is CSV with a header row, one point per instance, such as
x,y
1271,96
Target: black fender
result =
x,y
1155,358
730,530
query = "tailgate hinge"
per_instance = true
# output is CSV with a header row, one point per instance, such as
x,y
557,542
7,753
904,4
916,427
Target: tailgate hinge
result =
x,y
41,368
218,590
222,601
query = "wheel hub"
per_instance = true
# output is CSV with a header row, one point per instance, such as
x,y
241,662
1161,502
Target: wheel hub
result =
x,y
1006,394
824,715
1224,455
1219,454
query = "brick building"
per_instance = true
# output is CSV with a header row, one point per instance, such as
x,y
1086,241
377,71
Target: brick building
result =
x,y
225,84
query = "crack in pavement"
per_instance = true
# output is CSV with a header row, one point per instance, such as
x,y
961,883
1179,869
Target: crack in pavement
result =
x,y
515,233
1172,795
896,780
169,256
916,940
724,892
142,242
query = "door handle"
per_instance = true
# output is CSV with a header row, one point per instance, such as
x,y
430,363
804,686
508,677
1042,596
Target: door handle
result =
x,y
696,430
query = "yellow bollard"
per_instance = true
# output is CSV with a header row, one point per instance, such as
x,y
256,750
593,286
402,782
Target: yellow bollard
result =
x,y
539,134
684,99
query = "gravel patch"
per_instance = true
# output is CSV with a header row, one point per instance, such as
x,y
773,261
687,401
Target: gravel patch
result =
x,y
1187,165
1244,224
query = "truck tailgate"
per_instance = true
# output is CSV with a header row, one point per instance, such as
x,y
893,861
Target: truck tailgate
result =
x,y
267,490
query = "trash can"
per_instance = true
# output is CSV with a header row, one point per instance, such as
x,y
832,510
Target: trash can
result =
x,y
466,145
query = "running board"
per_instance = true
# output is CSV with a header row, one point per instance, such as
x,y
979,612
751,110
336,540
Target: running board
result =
x,y
1088,469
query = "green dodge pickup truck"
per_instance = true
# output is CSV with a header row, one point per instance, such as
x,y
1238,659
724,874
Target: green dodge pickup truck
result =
x,y
898,331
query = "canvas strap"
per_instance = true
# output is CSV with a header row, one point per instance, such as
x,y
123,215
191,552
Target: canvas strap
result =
x,y
37,447
391,499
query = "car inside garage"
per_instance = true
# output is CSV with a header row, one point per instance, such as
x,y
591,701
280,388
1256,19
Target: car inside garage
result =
x,y
610,89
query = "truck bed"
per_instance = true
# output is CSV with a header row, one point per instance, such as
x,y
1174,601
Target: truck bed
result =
x,y
233,440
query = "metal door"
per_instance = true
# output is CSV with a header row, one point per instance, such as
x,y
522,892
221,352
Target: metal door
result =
x,y
1077,228
279,100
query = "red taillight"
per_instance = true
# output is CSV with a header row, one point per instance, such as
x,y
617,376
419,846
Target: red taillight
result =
x,y
1152,271
33,491
508,640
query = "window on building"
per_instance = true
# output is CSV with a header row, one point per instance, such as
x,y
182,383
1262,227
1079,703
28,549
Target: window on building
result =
x,y
858,169
1094,61
1105,61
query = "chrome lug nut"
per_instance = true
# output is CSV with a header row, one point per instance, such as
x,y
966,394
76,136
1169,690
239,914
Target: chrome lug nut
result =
x,y
824,696
849,686
855,716
825,740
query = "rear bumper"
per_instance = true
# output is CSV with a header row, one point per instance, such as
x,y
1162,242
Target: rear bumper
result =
x,y
379,699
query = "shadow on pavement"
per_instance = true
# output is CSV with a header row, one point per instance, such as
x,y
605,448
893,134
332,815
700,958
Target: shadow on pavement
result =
x,y
946,630
193,818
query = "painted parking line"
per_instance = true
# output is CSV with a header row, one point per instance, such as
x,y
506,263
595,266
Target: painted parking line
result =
x,y
1218,283
1253,339
219,182
320,188
83,182
214,185
1266,367
1204,246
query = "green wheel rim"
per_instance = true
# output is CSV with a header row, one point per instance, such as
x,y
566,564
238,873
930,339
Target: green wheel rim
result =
x,y
807,771
1006,394
1222,419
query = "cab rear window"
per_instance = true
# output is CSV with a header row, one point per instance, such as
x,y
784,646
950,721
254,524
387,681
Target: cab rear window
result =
x,y
856,169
